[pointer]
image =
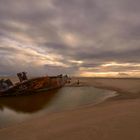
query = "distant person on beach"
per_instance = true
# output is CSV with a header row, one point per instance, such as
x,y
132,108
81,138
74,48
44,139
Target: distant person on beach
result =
x,y
78,82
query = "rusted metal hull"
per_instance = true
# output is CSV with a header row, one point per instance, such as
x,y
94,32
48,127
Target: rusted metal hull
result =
x,y
35,85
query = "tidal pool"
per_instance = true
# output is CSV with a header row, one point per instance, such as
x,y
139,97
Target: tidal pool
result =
x,y
20,108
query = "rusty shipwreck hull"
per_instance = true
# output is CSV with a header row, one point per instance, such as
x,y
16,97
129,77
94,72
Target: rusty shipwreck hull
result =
x,y
35,85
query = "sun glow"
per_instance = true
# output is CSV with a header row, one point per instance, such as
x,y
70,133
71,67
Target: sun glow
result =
x,y
99,74
31,54
70,39
120,64
110,74
112,69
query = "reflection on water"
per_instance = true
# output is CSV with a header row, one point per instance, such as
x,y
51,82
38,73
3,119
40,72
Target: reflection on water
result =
x,y
27,104
17,109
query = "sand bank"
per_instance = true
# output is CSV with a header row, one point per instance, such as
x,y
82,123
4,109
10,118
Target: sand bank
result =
x,y
112,120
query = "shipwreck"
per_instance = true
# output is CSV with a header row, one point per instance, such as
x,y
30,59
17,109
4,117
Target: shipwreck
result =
x,y
33,85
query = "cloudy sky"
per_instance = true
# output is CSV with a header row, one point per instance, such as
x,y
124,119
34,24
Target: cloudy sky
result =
x,y
76,37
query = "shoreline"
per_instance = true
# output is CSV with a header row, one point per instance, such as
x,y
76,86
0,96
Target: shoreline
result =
x,y
115,118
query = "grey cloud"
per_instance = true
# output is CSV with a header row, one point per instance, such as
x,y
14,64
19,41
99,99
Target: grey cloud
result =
x,y
92,64
50,70
121,56
107,30
118,69
130,6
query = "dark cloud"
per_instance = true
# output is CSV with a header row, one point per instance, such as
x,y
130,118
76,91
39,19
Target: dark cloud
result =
x,y
118,56
61,70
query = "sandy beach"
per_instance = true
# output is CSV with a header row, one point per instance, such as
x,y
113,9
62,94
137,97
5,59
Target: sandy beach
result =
x,y
117,118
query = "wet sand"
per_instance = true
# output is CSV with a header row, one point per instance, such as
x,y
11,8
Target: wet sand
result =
x,y
115,119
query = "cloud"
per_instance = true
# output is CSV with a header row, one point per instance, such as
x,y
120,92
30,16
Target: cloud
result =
x,y
69,35
123,74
